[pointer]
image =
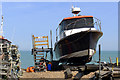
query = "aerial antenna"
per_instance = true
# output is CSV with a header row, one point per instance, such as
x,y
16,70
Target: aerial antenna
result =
x,y
12,37
75,10
1,30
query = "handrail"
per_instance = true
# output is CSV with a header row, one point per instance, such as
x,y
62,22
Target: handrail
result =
x,y
97,23
56,33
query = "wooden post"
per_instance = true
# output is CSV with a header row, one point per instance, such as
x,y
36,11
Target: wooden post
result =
x,y
110,60
51,45
99,62
47,42
111,63
33,43
117,61
56,36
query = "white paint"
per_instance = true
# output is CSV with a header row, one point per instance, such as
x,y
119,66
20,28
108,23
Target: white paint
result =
x,y
73,31
91,52
79,54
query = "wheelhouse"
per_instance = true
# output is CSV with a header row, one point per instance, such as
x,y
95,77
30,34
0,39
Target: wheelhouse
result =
x,y
76,22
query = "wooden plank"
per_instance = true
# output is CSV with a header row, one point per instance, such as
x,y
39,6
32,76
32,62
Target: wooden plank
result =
x,y
39,54
3,73
40,44
116,72
3,68
103,73
36,40
38,59
115,69
38,62
4,62
41,37
42,50
41,41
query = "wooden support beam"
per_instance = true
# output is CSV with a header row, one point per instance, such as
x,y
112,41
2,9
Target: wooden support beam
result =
x,y
41,37
40,44
40,56
41,41
38,59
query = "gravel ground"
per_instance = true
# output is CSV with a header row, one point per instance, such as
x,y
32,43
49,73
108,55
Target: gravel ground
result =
x,y
52,74
90,75
48,74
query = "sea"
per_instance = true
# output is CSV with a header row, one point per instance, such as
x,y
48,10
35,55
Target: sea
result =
x,y
27,58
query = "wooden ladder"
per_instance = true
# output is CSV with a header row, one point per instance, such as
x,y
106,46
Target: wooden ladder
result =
x,y
40,46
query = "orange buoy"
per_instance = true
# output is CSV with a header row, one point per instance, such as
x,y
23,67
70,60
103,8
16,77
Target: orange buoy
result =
x,y
27,70
31,69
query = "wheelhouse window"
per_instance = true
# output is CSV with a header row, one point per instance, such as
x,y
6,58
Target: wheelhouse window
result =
x,y
76,23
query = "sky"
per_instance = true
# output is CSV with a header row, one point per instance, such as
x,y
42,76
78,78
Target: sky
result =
x,y
23,19
119,27
59,0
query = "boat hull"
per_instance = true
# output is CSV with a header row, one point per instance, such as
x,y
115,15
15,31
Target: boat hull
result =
x,y
77,48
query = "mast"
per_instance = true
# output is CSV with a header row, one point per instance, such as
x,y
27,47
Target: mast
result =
x,y
1,29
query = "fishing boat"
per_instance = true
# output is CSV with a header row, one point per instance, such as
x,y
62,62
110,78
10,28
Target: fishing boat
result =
x,y
76,38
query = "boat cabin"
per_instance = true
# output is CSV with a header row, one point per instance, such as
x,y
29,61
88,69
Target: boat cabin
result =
x,y
71,25
76,22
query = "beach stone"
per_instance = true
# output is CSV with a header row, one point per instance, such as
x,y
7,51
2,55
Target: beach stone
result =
x,y
68,73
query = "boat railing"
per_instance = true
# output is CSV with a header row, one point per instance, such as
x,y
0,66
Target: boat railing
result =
x,y
57,35
97,23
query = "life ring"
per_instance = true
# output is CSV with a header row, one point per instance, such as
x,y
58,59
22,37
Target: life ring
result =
x,y
31,69
28,69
